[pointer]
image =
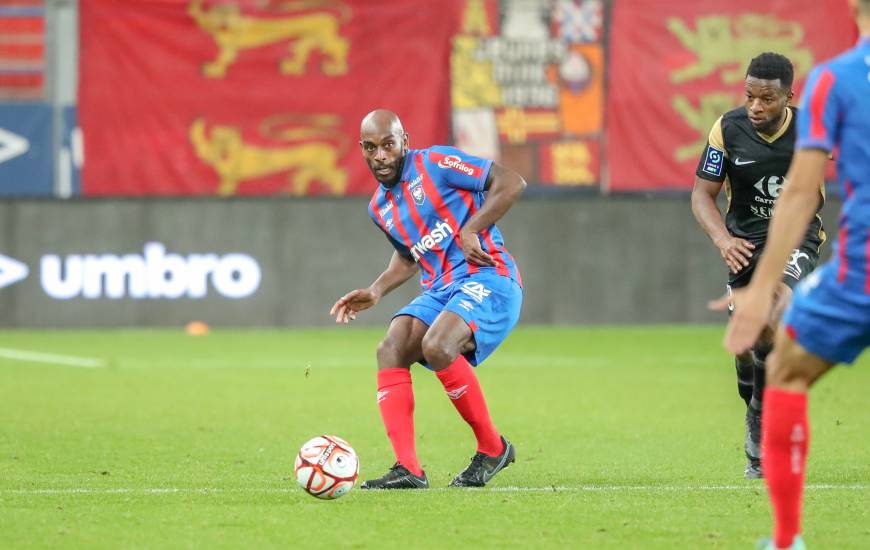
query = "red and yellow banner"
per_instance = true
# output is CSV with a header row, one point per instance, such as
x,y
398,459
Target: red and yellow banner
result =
x,y
675,66
254,97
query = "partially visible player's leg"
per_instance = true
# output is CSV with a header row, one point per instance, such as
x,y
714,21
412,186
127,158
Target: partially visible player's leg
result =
x,y
744,364
760,351
478,317
443,346
448,338
785,439
396,353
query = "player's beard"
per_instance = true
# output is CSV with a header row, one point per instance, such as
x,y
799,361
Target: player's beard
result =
x,y
395,174
770,126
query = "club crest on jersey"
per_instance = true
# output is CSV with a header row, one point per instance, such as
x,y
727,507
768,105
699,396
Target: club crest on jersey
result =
x,y
714,161
418,194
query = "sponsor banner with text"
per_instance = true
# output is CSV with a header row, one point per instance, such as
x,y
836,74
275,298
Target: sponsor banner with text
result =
x,y
676,66
527,87
253,97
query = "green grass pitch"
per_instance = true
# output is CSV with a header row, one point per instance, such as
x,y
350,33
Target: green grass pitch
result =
x,y
626,437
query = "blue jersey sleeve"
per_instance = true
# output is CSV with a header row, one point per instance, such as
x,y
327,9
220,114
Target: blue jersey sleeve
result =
x,y
459,169
819,116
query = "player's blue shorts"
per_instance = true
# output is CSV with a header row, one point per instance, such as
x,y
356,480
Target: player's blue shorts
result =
x,y
828,319
489,303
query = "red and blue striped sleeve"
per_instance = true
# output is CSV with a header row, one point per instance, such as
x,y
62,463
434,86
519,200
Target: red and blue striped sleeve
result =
x,y
459,169
819,116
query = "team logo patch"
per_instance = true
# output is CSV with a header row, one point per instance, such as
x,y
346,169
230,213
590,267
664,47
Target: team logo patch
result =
x,y
713,162
418,194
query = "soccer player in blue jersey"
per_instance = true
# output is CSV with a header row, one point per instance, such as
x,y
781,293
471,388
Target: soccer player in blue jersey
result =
x,y
828,321
438,208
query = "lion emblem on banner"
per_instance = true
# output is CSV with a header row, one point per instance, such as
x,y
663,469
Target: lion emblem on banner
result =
x,y
234,32
719,41
311,147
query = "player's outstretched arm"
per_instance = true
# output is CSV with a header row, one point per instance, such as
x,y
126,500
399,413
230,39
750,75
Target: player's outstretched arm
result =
x,y
735,252
794,209
399,270
504,187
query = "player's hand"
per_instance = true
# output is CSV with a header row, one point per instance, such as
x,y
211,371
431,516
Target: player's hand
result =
x,y
751,314
473,252
735,252
346,308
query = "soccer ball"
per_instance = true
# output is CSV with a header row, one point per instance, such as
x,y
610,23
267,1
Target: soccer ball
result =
x,y
327,467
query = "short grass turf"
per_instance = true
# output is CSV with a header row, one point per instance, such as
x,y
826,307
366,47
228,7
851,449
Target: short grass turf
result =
x,y
627,437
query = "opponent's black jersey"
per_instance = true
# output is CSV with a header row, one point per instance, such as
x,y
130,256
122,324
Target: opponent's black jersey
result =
x,y
755,167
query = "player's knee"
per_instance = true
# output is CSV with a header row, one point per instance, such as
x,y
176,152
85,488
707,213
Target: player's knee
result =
x,y
780,373
438,351
390,354
785,368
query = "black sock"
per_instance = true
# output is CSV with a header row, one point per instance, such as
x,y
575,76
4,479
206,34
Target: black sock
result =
x,y
745,378
761,351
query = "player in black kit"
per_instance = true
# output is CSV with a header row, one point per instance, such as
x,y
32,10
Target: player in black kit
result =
x,y
750,149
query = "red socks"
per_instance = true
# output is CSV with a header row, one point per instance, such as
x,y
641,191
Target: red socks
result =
x,y
396,401
463,389
785,438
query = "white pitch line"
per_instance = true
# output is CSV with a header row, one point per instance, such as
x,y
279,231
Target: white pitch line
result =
x,y
552,489
51,358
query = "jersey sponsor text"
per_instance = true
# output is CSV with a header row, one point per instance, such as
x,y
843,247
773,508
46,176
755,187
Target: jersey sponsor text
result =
x,y
430,240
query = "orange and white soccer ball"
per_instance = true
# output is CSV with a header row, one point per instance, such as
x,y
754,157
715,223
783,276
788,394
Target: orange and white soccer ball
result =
x,y
327,467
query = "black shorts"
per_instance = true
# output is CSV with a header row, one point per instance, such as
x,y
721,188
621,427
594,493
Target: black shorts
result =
x,y
801,263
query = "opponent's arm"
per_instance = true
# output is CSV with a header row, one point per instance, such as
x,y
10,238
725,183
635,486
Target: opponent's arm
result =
x,y
504,186
399,270
735,252
794,209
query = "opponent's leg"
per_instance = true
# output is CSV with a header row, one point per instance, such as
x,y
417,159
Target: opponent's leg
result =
x,y
752,419
744,364
445,342
396,353
760,351
785,431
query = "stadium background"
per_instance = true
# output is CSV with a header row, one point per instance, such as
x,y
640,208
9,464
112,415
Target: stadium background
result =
x,y
163,161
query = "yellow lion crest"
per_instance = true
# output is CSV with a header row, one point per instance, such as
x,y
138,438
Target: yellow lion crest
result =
x,y
718,42
234,32
235,161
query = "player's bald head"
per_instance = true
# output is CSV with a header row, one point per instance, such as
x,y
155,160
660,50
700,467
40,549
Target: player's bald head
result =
x,y
381,122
